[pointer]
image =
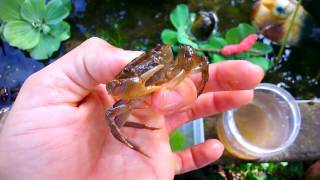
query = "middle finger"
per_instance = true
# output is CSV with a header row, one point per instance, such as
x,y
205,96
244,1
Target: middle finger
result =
x,y
231,75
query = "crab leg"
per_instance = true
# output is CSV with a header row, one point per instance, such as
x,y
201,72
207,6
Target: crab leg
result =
x,y
177,79
124,109
116,118
147,75
187,61
138,125
121,121
204,68
181,68
115,131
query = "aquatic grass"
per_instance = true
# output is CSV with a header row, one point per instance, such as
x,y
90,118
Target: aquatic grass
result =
x,y
286,35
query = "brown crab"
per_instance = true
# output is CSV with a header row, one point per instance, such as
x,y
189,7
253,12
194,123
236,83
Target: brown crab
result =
x,y
147,73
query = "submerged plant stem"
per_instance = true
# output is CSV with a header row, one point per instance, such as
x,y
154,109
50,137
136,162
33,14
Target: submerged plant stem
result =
x,y
209,50
212,50
286,36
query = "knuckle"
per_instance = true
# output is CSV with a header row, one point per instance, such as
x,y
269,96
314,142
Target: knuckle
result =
x,y
95,42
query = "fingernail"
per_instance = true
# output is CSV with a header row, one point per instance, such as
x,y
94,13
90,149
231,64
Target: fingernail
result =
x,y
217,147
257,69
131,54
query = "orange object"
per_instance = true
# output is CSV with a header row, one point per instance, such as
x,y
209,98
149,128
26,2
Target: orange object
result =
x,y
273,18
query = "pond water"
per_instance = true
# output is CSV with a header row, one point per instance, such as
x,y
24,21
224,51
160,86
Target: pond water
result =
x,y
138,24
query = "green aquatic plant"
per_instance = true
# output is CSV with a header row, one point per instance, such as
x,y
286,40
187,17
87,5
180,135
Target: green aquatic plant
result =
x,y
234,36
177,140
114,36
265,171
1,27
182,20
286,35
35,26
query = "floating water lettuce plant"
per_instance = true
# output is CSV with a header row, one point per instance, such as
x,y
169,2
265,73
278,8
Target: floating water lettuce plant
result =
x,y
241,39
35,26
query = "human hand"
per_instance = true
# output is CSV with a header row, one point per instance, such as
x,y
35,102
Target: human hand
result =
x,y
57,129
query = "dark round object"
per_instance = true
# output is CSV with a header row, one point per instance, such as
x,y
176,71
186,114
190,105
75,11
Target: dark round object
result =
x,y
206,22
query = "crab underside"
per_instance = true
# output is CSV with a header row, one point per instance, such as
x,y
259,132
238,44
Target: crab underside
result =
x,y
151,71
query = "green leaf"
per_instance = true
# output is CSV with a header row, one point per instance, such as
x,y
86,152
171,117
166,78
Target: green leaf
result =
x,y
262,48
216,58
21,34
33,10
177,140
169,36
183,38
56,12
61,31
45,29
265,166
262,62
1,29
10,10
246,29
214,42
67,4
180,16
244,55
46,47
200,53
271,168
192,18
235,35
251,176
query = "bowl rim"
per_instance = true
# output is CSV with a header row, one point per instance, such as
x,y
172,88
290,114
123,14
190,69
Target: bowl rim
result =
x,y
228,118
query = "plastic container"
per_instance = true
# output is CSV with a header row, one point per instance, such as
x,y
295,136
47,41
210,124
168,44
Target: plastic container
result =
x,y
194,132
266,127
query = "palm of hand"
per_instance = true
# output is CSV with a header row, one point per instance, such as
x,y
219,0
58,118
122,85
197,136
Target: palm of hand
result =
x,y
57,130
79,143
127,163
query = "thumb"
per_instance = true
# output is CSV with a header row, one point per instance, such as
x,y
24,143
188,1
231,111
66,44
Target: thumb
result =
x,y
72,77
